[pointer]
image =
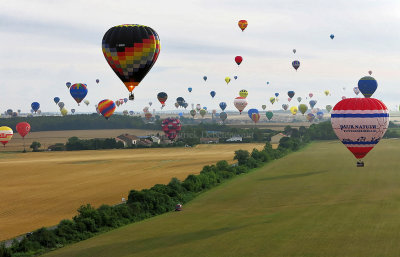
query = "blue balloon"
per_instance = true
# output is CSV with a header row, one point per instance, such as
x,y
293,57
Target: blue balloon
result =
x,y
190,89
212,93
251,111
180,114
276,94
332,36
205,108
235,77
367,86
222,105
35,106
205,78
56,99
312,103
290,94
131,112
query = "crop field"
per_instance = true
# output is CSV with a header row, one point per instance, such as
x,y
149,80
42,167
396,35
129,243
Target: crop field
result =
x,y
315,202
41,189
47,138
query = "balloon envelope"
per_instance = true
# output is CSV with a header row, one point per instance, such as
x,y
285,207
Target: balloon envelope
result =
x,y
6,134
35,106
367,86
303,108
56,100
243,93
296,64
360,123
238,60
106,108
290,94
222,105
227,80
23,128
269,115
78,91
242,24
162,97
240,103
223,116
212,93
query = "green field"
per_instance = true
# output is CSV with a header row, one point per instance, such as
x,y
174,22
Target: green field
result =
x,y
311,203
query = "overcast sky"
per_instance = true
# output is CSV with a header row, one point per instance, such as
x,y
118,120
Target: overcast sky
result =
x,y
45,43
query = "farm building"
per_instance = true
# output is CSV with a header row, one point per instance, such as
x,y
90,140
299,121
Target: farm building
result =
x,y
235,139
127,140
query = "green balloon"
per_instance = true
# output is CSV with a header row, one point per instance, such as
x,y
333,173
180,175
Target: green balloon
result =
x,y
269,115
303,108
328,108
193,113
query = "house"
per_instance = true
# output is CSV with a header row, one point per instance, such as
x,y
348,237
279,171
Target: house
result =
x,y
127,140
235,139
145,142
209,140
155,139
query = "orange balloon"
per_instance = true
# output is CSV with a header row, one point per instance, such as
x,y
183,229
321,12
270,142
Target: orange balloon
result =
x,y
242,24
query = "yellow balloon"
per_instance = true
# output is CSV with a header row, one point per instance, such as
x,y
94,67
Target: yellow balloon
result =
x,y
227,80
6,134
293,110
272,100
243,93
326,92
64,112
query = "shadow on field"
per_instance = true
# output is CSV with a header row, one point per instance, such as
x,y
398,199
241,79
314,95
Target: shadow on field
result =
x,y
86,162
294,175
152,243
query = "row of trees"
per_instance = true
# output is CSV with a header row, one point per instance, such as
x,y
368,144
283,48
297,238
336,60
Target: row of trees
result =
x,y
145,203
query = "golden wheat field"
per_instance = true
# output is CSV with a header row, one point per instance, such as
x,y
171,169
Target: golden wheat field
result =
x,y
40,189
47,138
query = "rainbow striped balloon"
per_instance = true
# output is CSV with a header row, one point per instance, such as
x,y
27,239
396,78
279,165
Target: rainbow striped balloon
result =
x,y
106,108
6,134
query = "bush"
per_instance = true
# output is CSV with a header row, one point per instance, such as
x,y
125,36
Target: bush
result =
x,y
241,156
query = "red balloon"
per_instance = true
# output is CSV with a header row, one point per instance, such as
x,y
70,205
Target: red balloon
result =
x,y
171,127
23,128
238,60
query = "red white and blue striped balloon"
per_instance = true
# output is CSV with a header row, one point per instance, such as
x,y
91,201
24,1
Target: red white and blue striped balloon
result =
x,y
360,123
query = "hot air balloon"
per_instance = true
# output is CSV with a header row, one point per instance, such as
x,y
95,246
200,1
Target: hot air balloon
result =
x,y
176,105
251,111
171,127
193,113
72,111
86,102
64,112
240,103
263,106
294,51
242,24
205,108
370,72
35,106
118,103
293,110
328,108
238,60
125,112
180,100
162,97
68,84
290,94
223,116
303,108
313,103
145,109
320,115
202,112
235,77
299,99
131,51
189,89
150,103
9,112
269,115
310,95
97,81
106,108
255,117
310,117
6,134
131,112
148,115
198,107
326,92
332,36
212,93
289,99
360,124
222,105
56,100
296,64
23,129
125,100
276,94
61,105
205,78
272,100
343,97
78,91
227,80
367,86
285,106
243,93
356,90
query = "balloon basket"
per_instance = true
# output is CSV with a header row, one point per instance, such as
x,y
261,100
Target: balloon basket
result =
x,y
360,163
131,97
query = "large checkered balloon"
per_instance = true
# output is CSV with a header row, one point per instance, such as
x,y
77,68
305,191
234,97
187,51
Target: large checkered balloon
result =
x,y
360,123
171,127
131,50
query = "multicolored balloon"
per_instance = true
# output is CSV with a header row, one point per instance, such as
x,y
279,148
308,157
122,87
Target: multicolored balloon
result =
x,y
272,100
162,97
310,117
356,90
171,127
255,117
242,24
240,103
243,93
78,91
6,133
131,50
193,113
360,124
106,108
